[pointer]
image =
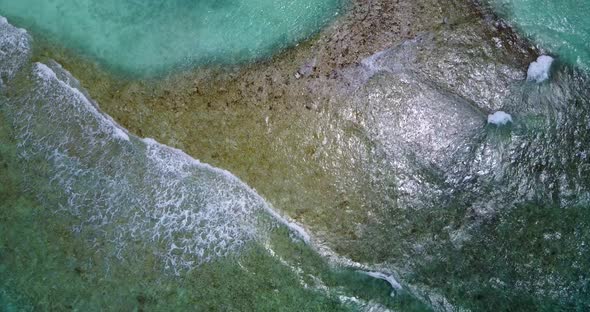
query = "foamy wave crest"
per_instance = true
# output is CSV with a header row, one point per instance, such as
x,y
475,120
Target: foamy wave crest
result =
x,y
128,196
136,194
14,50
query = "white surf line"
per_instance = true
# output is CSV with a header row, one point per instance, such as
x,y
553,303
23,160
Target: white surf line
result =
x,y
375,271
388,278
299,230
294,227
326,252
47,74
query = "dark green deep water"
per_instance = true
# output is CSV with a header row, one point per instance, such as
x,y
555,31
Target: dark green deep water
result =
x,y
92,217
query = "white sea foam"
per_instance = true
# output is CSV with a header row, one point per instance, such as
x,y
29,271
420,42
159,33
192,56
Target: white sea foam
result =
x,y
292,225
388,278
45,72
14,50
539,70
120,133
129,190
48,75
499,118
141,190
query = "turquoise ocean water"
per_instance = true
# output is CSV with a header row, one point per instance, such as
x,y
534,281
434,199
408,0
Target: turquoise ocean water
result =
x,y
150,37
560,27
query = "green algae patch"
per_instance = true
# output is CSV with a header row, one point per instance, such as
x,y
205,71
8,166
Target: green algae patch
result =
x,y
150,37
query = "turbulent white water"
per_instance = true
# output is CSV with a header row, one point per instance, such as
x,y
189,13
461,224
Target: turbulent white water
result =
x,y
14,50
539,70
499,118
125,189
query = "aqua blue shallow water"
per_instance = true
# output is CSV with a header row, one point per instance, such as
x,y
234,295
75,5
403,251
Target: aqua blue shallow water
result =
x,y
148,37
561,27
